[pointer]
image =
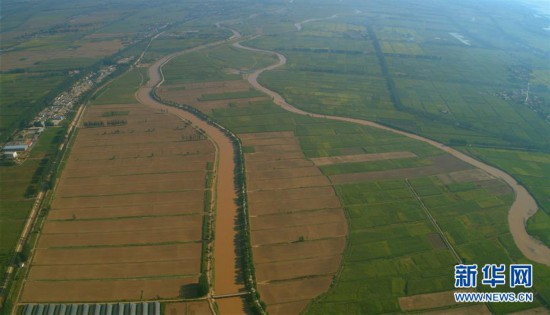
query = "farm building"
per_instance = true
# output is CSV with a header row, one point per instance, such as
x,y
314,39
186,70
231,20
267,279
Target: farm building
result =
x,y
10,155
143,308
34,131
15,146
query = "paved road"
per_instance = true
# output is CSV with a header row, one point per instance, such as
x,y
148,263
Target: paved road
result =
x,y
524,205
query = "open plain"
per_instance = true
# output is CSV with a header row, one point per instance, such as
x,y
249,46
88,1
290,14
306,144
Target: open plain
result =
x,y
295,157
126,219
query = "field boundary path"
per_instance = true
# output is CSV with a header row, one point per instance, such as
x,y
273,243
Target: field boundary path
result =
x,y
226,267
522,209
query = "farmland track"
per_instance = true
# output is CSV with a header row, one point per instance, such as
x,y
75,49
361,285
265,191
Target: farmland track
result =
x,y
226,267
522,209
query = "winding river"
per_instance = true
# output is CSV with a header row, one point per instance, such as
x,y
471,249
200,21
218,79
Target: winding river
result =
x,y
226,267
522,209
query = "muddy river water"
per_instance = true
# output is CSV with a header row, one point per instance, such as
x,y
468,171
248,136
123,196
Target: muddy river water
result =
x,y
226,269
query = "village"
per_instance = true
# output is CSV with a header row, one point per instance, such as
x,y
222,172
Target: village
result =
x,y
18,148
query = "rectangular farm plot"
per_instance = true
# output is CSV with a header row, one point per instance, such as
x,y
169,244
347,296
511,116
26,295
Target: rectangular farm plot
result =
x,y
441,164
117,255
122,224
126,219
212,95
115,271
428,301
298,227
107,212
362,158
147,236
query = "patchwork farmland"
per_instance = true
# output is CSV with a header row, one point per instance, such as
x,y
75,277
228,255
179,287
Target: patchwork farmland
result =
x,y
126,219
397,194
298,227
310,157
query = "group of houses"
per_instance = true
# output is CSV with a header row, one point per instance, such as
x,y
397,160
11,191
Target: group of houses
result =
x,y
24,140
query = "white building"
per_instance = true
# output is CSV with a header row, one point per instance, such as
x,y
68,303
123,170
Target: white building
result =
x,y
16,146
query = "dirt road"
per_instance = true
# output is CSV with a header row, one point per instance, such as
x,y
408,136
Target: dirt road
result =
x,y
226,268
524,205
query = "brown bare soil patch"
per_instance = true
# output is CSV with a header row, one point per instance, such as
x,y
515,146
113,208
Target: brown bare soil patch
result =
x,y
234,305
187,308
472,175
274,196
127,214
466,310
258,166
122,225
92,189
427,301
276,221
107,212
148,236
109,271
298,227
192,93
288,173
292,206
117,255
285,270
289,182
436,241
131,167
126,199
298,233
362,158
442,164
298,250
293,290
288,308
172,178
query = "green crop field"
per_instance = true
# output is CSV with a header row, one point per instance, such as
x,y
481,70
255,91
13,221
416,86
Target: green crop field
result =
x,y
390,250
531,169
121,90
419,78
18,186
472,74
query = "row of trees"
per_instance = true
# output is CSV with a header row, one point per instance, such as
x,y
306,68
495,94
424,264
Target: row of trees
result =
x,y
101,123
247,260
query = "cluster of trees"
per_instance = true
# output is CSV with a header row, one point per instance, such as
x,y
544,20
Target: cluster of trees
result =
x,y
101,123
117,122
115,113
92,124
193,137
